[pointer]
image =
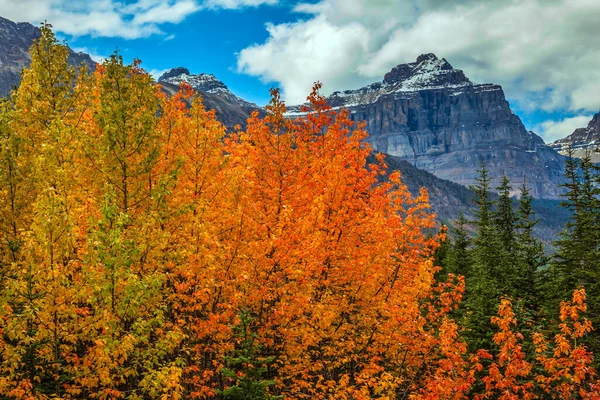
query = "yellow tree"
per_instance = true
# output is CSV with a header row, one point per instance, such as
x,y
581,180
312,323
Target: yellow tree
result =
x,y
39,299
127,348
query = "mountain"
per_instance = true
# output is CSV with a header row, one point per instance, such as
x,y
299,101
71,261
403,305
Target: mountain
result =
x,y
448,199
582,140
230,109
432,115
15,40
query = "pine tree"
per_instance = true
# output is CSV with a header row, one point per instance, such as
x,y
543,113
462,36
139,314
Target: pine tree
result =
x,y
531,254
247,370
459,258
504,217
441,256
485,284
504,222
576,262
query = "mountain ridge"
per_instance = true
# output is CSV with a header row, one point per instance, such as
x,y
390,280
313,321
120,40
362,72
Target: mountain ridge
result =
x,y
430,114
15,40
582,141
230,109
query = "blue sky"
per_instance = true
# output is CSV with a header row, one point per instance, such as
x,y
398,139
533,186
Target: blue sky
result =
x,y
545,53
206,41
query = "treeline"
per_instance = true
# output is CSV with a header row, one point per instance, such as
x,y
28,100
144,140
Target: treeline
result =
x,y
145,254
504,265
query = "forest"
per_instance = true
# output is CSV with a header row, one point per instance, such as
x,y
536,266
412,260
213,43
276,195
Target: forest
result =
x,y
148,253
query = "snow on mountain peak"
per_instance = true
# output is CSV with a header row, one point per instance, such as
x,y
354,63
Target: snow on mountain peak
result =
x,y
427,72
204,82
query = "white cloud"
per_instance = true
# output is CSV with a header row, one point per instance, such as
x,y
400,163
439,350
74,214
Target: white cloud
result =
x,y
93,53
166,12
545,53
156,73
299,51
109,18
112,18
554,130
237,4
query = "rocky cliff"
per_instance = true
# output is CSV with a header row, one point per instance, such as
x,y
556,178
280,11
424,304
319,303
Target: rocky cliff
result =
x,y
433,116
15,40
582,141
230,109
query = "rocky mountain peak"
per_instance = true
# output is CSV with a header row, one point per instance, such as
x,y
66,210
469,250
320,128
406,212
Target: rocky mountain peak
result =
x,y
427,71
430,114
582,141
231,109
15,41
173,73
202,82
594,124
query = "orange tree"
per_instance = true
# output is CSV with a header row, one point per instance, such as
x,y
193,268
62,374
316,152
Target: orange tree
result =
x,y
334,268
561,369
137,237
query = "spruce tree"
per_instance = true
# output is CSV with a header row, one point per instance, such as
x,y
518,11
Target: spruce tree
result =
x,y
530,253
576,257
484,283
245,367
576,262
504,217
504,222
459,258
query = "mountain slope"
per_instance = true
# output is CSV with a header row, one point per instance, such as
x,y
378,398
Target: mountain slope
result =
x,y
433,116
582,140
448,199
15,40
230,109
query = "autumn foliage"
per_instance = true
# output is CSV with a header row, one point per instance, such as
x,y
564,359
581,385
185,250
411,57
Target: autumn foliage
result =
x,y
146,253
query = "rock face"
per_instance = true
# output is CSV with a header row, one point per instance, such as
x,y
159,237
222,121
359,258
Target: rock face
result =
x,y
582,141
231,110
15,40
433,116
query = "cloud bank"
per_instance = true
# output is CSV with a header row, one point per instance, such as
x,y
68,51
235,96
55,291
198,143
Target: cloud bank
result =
x,y
545,53
554,130
113,18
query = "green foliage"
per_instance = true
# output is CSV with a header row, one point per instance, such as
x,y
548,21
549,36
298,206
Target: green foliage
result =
x,y
530,251
576,262
246,368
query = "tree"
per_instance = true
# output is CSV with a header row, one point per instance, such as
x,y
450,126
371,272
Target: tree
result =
x,y
247,370
460,257
39,299
487,280
507,378
568,371
576,262
558,370
531,254
504,216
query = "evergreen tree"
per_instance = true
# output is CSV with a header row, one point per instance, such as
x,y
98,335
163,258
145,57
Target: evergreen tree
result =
x,y
576,257
504,217
485,282
530,250
504,222
459,257
441,255
245,367
576,262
